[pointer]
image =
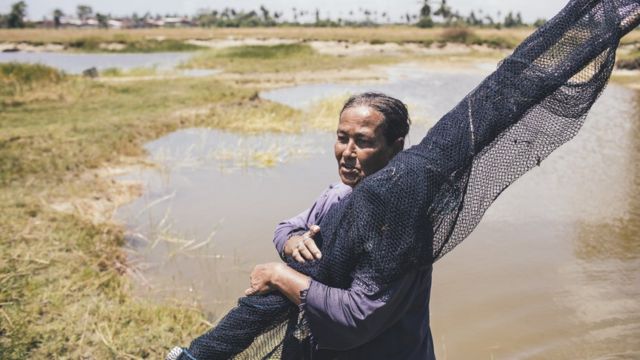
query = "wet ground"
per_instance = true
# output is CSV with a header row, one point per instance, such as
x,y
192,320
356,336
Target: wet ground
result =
x,y
553,270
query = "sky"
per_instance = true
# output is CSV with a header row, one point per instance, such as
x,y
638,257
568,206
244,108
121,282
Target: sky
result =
x,y
531,10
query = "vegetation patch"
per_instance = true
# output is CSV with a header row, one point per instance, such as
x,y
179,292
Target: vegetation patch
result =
x,y
17,78
467,36
278,58
139,71
324,114
62,289
629,61
129,45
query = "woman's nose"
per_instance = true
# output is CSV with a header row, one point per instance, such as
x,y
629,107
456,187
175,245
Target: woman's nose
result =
x,y
350,149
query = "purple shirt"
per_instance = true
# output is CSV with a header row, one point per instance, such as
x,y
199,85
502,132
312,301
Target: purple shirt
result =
x,y
356,324
300,223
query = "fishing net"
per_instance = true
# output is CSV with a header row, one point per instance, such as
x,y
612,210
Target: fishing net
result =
x,y
430,197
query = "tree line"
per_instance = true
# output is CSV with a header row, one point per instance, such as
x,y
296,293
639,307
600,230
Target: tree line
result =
x,y
431,13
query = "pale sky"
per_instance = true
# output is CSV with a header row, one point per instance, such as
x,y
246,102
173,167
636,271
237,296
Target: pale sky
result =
x,y
530,10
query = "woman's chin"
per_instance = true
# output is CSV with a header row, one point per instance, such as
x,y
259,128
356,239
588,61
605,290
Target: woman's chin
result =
x,y
350,179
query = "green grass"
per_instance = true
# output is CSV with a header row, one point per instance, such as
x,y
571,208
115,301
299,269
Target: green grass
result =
x,y
17,78
139,71
467,36
630,61
275,52
63,292
129,45
278,58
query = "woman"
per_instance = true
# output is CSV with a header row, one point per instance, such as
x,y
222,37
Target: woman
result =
x,y
430,197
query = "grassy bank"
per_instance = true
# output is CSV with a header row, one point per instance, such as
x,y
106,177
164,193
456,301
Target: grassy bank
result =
x,y
152,40
279,58
149,40
398,34
62,289
127,44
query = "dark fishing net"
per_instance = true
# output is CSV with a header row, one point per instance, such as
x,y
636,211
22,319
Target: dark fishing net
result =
x,y
430,197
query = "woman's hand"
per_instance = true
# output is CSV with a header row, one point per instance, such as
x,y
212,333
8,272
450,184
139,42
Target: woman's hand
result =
x,y
269,277
303,247
261,279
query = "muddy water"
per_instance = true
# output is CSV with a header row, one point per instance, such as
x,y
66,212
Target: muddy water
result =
x,y
553,270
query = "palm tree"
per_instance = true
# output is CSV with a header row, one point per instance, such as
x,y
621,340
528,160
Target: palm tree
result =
x,y
57,18
17,15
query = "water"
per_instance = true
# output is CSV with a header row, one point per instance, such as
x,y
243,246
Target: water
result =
x,y
553,270
76,63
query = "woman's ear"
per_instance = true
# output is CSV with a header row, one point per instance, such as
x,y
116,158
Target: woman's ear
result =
x,y
397,146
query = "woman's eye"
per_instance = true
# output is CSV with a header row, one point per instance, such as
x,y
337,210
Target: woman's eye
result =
x,y
363,143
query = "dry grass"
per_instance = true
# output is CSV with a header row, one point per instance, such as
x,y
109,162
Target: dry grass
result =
x,y
62,289
146,40
323,114
399,34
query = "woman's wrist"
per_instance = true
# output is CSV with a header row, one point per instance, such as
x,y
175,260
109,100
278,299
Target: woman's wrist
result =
x,y
289,282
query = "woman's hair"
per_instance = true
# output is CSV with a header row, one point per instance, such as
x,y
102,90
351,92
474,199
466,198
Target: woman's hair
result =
x,y
396,117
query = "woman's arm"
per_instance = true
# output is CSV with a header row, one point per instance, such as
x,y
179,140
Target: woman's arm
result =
x,y
278,276
340,319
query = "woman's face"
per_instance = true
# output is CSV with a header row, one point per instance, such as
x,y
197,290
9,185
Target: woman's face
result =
x,y
361,148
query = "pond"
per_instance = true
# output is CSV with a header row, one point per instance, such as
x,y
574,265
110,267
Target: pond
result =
x,y
77,63
552,271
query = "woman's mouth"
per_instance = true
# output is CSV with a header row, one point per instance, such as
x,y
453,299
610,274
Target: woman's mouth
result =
x,y
349,172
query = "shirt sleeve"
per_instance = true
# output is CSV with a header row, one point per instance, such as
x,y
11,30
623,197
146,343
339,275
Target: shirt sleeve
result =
x,y
300,223
287,228
343,319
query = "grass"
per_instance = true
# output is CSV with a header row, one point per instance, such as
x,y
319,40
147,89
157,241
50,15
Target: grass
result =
x,y
278,58
148,40
16,78
126,44
323,114
379,35
139,71
629,61
60,137
62,289
468,36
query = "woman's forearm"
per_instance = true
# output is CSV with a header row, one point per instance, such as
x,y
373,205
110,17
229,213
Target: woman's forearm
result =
x,y
290,282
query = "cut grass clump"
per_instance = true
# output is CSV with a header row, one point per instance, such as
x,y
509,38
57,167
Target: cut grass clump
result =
x,y
278,58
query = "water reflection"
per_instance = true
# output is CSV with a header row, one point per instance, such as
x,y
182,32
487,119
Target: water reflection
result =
x,y
618,238
552,271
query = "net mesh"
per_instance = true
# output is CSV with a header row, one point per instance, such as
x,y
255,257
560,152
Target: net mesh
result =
x,y
430,197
